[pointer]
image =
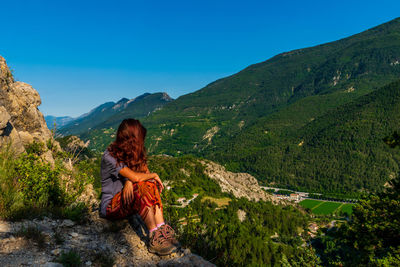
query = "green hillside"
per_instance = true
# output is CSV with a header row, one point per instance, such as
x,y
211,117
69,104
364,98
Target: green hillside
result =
x,y
340,151
358,65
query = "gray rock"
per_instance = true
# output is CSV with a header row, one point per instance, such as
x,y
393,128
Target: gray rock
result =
x,y
73,234
187,251
56,252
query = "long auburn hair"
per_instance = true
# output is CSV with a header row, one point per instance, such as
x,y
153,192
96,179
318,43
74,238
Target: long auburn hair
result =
x,y
128,147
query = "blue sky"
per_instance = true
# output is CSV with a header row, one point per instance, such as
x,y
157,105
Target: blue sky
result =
x,y
79,54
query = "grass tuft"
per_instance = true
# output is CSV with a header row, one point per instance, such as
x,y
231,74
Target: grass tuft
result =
x,y
70,259
32,233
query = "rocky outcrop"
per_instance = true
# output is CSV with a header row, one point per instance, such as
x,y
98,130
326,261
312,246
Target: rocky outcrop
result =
x,y
21,122
8,134
96,242
239,184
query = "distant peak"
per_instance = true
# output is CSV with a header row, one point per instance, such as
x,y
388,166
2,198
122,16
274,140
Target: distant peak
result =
x,y
137,98
166,97
122,100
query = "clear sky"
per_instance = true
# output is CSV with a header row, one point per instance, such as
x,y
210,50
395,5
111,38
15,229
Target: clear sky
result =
x,y
79,54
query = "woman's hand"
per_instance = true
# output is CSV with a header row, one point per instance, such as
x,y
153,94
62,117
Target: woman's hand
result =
x,y
127,192
158,181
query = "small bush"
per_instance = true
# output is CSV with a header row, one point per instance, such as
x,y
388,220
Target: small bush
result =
x,y
39,182
10,199
58,238
31,187
70,259
35,148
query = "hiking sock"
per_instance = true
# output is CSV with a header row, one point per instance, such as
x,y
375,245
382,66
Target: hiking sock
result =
x,y
160,224
152,230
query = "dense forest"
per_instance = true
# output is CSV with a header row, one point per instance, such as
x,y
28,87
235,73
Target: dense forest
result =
x,y
341,151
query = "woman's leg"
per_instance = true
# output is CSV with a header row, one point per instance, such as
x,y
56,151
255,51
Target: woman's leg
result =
x,y
149,218
151,215
158,216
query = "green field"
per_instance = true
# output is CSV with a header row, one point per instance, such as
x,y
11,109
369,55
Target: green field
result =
x,y
310,203
326,208
321,207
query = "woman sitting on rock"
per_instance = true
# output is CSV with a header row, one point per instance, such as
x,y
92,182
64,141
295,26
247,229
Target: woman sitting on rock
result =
x,y
129,187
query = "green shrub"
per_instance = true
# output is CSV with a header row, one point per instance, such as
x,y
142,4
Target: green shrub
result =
x,y
31,187
35,148
10,199
39,182
58,237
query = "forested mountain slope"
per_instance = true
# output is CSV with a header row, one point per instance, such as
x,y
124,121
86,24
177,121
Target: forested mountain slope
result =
x,y
340,151
356,65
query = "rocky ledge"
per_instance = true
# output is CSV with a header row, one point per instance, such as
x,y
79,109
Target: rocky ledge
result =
x,y
97,242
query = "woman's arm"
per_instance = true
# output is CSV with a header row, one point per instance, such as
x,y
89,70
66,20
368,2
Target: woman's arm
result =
x,y
136,177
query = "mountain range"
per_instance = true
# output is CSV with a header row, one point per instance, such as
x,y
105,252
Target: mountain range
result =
x,y
109,114
310,119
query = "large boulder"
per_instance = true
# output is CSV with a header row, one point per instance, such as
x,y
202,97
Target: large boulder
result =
x,y
8,134
23,103
21,122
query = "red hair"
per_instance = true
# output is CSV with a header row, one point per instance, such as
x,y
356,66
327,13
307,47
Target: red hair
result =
x,y
128,147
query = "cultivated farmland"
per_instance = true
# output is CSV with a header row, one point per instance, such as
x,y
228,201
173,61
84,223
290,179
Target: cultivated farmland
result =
x,y
321,207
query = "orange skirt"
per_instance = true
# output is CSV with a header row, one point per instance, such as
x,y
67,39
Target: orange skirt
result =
x,y
146,195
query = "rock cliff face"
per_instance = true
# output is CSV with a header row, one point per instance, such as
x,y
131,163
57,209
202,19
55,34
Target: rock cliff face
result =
x,y
21,122
239,184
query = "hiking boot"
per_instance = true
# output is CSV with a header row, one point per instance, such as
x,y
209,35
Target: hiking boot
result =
x,y
169,234
159,244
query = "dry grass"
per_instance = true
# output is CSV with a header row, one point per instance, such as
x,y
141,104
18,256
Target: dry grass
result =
x,y
221,202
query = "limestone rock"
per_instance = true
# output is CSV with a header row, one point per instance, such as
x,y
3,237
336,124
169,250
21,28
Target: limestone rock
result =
x,y
241,215
8,134
21,122
239,184
4,118
23,102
